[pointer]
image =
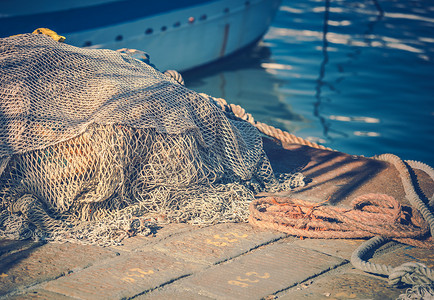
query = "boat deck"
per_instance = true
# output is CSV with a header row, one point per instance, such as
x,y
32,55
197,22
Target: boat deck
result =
x,y
225,261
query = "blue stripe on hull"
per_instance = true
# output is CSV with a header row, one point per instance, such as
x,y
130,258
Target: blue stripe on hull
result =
x,y
90,17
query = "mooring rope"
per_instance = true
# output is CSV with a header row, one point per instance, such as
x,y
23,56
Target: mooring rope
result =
x,y
283,136
412,273
409,188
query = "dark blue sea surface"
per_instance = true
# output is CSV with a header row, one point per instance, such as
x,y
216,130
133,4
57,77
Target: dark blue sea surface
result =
x,y
356,76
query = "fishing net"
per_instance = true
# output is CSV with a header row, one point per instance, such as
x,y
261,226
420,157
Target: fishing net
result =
x,y
96,146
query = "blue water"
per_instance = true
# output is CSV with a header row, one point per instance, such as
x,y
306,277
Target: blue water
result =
x,y
356,76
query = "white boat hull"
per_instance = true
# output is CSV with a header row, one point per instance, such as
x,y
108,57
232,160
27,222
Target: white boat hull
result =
x,y
185,38
190,44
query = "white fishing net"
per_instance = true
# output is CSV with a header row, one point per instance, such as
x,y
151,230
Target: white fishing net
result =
x,y
96,146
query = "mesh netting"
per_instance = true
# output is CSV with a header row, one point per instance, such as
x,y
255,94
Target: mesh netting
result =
x,y
96,145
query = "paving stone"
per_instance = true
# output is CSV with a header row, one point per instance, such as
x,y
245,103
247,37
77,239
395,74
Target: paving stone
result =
x,y
217,243
261,272
165,231
122,277
405,254
343,286
336,247
354,284
37,263
173,293
39,294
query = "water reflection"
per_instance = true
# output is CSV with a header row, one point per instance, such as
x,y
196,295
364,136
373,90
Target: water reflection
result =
x,y
248,79
355,75
328,37
355,119
373,61
367,38
366,133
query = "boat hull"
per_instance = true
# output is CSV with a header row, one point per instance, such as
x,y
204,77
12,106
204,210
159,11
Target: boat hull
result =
x,y
187,37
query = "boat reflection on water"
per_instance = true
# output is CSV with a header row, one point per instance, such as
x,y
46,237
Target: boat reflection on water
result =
x,y
353,76
247,78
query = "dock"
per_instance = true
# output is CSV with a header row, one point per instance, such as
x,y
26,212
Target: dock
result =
x,y
227,260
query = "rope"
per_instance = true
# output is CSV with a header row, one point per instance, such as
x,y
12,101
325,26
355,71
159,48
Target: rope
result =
x,y
371,214
175,75
409,189
283,136
410,273
425,168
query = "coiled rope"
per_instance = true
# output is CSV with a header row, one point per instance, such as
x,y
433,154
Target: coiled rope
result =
x,y
370,214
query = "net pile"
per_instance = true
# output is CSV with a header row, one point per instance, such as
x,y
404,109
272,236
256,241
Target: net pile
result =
x,y
96,145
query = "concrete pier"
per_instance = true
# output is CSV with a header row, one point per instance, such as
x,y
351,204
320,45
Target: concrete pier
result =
x,y
225,261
